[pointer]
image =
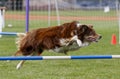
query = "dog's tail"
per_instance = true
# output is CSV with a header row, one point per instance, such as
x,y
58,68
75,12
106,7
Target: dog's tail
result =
x,y
19,38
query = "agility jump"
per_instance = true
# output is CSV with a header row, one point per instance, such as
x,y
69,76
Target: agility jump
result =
x,y
4,58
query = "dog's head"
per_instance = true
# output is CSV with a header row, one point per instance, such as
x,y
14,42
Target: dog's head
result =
x,y
86,33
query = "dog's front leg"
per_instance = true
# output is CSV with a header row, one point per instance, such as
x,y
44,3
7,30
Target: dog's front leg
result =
x,y
75,38
79,42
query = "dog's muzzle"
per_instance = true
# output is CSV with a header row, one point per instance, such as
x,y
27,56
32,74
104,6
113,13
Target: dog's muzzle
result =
x,y
93,38
100,37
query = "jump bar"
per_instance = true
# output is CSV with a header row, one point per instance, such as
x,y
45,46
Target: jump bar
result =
x,y
10,33
58,57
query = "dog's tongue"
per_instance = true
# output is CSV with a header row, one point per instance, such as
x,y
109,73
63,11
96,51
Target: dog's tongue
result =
x,y
92,39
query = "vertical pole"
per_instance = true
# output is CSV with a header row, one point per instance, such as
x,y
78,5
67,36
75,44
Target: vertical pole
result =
x,y
3,17
118,15
0,22
57,12
27,15
49,12
119,19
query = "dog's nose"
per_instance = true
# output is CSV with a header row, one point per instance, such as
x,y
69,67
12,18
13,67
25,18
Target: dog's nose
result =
x,y
100,37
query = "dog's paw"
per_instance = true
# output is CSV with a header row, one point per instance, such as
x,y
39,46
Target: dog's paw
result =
x,y
79,42
18,66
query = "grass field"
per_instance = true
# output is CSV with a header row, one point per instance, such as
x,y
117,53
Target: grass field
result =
x,y
65,69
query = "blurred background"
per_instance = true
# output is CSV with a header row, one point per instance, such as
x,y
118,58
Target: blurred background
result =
x,y
36,4
104,15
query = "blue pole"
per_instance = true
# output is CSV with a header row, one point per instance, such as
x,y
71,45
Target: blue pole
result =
x,y
21,58
2,58
8,33
27,15
92,57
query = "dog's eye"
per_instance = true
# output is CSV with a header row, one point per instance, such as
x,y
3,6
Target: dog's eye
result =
x,y
92,33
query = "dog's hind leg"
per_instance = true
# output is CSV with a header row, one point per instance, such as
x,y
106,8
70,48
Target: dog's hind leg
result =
x,y
18,53
19,65
39,52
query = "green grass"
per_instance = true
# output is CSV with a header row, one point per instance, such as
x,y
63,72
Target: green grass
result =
x,y
65,69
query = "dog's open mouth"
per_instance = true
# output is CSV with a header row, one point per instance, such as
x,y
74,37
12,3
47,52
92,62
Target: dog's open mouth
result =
x,y
93,39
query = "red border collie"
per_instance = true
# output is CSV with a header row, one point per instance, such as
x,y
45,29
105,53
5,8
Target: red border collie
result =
x,y
61,39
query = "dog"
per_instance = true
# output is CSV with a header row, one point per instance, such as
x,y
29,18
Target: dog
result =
x,y
66,37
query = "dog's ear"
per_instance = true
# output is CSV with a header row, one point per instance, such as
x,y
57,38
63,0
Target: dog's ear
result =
x,y
83,28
